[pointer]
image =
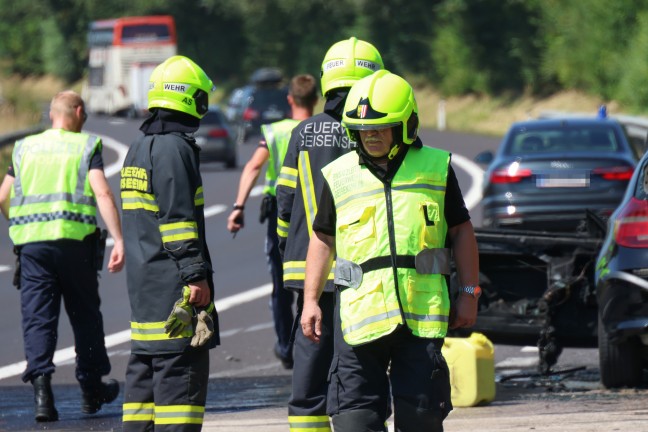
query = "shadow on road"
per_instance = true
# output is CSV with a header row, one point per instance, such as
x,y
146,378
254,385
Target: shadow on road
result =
x,y
224,395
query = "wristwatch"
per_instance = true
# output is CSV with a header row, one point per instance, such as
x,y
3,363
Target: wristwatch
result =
x,y
238,206
473,290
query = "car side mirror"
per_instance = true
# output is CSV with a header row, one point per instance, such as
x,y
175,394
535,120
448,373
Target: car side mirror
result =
x,y
485,158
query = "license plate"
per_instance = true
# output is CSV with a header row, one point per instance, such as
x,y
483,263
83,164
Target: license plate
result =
x,y
574,181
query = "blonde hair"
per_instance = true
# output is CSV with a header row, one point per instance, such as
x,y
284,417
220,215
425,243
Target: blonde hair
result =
x,y
66,102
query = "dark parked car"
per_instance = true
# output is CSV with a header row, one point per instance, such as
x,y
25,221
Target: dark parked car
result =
x,y
265,105
215,139
622,287
263,101
548,172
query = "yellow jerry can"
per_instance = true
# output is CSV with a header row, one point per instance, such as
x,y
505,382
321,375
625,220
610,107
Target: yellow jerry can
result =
x,y
472,369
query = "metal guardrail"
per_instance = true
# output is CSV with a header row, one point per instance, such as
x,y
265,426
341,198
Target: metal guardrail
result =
x,y
12,137
637,127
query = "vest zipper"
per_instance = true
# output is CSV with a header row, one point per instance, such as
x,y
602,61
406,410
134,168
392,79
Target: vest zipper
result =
x,y
392,245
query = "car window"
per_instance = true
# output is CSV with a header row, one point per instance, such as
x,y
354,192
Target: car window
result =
x,y
565,140
641,189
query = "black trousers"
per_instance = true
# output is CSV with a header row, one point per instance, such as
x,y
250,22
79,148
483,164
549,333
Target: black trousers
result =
x,y
307,404
51,271
166,392
282,299
400,369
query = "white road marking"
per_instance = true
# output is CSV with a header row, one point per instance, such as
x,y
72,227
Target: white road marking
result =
x,y
244,371
261,326
531,349
63,355
517,362
474,194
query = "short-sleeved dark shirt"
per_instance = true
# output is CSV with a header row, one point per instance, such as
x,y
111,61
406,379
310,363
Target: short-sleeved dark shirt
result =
x,y
455,213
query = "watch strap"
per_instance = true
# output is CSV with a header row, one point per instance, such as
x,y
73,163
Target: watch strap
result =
x,y
473,290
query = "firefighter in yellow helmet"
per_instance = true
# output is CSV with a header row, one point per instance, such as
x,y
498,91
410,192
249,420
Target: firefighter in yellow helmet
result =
x,y
169,272
314,143
302,97
392,212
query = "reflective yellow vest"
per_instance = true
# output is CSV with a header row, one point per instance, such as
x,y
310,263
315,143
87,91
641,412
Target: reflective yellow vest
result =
x,y
390,240
277,136
51,197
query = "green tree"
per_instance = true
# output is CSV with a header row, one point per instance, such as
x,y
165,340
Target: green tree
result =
x,y
586,42
632,88
402,31
486,46
20,33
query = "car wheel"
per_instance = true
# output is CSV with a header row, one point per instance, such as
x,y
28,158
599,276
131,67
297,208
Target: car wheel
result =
x,y
619,363
231,162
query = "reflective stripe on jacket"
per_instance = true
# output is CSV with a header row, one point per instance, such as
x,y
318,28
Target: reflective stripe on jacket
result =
x,y
277,136
51,197
164,236
390,240
314,143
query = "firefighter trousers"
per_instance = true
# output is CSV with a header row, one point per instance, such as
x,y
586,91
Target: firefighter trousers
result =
x,y
166,393
282,299
307,404
399,366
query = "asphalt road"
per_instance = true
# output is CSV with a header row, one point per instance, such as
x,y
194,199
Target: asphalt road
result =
x,y
244,373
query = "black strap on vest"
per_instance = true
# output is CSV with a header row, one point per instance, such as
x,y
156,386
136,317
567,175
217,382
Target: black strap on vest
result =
x,y
402,261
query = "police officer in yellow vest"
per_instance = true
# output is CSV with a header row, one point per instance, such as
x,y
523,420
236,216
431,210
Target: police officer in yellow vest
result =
x,y
56,182
302,97
392,212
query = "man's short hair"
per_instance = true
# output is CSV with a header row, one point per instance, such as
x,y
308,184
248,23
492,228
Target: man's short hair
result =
x,y
303,89
66,103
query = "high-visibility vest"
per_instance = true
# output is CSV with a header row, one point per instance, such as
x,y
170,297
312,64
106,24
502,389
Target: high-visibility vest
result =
x,y
51,197
390,240
277,136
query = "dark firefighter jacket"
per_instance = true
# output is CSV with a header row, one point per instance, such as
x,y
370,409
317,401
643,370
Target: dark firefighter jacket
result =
x,y
314,143
164,235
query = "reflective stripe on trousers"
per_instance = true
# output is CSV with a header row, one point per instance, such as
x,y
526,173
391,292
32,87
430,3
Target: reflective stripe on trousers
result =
x,y
166,392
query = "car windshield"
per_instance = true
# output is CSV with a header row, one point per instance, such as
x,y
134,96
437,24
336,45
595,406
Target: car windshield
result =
x,y
564,139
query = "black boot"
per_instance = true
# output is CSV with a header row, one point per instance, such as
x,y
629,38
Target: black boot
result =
x,y
44,399
96,395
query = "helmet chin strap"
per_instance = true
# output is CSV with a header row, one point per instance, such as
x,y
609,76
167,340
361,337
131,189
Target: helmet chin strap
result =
x,y
393,152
